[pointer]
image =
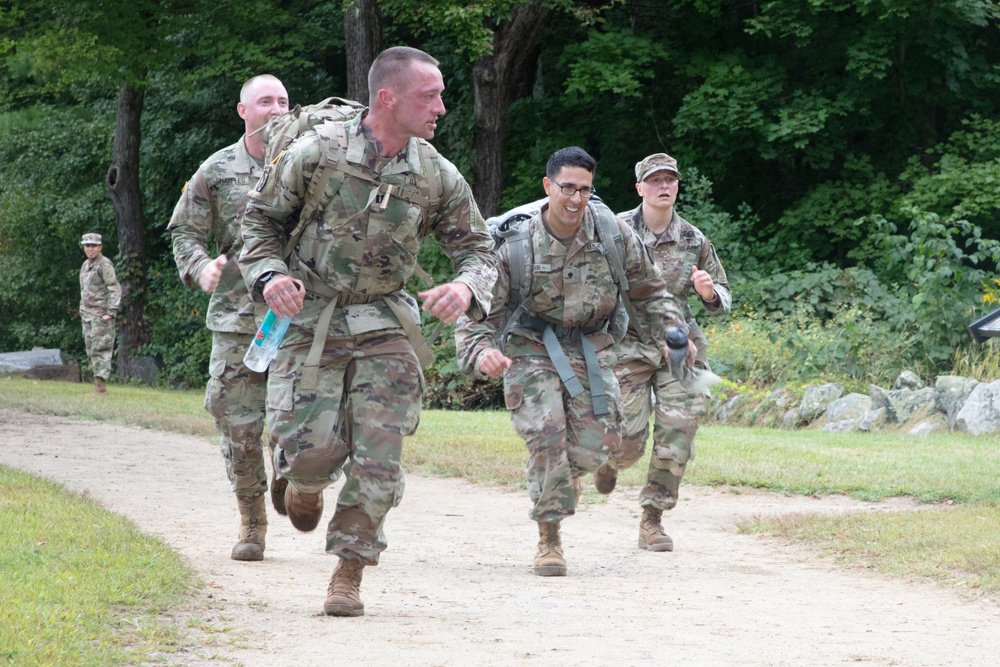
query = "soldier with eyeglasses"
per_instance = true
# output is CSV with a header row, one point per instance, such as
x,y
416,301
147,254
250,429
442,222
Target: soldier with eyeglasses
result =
x,y
556,359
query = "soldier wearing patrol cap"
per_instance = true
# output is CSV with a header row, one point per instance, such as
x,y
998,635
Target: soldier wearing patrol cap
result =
x,y
689,265
100,296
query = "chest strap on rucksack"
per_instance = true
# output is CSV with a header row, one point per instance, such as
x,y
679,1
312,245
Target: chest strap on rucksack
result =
x,y
551,333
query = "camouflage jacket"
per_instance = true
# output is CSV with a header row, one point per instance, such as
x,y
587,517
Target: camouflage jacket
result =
x,y
100,293
210,209
571,286
681,246
363,246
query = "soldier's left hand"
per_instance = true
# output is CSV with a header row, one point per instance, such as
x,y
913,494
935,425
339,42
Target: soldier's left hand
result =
x,y
447,302
105,318
703,284
692,352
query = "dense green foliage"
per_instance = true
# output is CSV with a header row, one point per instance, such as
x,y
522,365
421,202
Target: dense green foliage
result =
x,y
841,154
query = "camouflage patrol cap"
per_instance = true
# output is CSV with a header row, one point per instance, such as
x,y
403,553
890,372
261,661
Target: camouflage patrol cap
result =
x,y
654,163
91,239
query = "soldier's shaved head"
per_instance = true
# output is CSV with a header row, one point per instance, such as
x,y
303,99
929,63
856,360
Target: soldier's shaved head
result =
x,y
390,68
250,85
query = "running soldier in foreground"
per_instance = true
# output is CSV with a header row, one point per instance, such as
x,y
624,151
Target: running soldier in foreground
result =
x,y
554,349
210,208
346,385
689,264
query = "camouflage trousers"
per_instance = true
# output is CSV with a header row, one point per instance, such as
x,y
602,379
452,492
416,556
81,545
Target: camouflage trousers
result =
x,y
366,400
99,337
236,397
676,423
565,439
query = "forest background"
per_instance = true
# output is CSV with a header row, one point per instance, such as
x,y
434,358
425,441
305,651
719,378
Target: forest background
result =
x,y
842,155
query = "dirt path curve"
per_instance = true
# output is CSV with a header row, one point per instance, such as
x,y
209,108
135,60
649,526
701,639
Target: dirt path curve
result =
x,y
455,586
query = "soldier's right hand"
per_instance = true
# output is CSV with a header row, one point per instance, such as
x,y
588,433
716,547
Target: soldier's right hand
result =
x,y
284,295
209,278
494,363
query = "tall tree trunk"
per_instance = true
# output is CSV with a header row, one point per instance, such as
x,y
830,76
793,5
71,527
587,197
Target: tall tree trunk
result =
x,y
363,36
500,79
123,186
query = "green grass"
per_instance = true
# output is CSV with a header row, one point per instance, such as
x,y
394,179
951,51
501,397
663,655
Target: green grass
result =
x,y
956,546
81,586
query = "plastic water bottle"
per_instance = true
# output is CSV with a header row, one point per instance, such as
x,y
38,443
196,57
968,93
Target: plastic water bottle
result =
x,y
266,341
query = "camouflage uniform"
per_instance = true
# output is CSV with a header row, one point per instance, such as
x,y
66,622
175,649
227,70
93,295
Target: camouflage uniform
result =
x,y
100,295
641,372
569,287
211,206
354,407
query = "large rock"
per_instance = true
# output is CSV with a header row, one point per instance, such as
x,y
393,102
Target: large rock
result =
x,y
816,399
791,419
877,394
59,372
18,362
902,404
853,406
908,380
872,421
980,414
952,392
726,411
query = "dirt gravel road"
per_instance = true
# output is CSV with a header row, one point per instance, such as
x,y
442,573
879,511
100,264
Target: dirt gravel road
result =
x,y
455,586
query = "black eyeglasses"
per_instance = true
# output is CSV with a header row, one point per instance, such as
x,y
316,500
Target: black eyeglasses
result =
x,y
570,190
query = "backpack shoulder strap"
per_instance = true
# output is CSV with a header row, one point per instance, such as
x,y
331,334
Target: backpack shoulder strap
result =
x,y
520,263
614,246
332,136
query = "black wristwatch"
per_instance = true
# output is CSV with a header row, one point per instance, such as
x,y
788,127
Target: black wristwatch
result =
x,y
263,280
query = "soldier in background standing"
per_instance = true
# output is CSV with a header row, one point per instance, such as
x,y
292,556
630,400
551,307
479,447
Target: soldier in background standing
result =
x,y
211,206
689,264
100,296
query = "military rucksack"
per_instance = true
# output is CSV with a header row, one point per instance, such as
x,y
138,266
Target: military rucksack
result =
x,y
511,228
327,119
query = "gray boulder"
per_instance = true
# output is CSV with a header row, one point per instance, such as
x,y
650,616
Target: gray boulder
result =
x,y
980,414
726,411
842,426
853,406
926,428
791,419
952,392
877,394
816,399
18,362
872,421
901,404
908,380
59,372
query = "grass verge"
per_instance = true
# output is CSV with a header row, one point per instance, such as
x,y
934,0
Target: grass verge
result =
x,y
81,586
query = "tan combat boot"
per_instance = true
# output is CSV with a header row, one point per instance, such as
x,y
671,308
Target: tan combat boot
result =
x,y
605,479
100,386
304,509
549,561
651,535
253,528
343,596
